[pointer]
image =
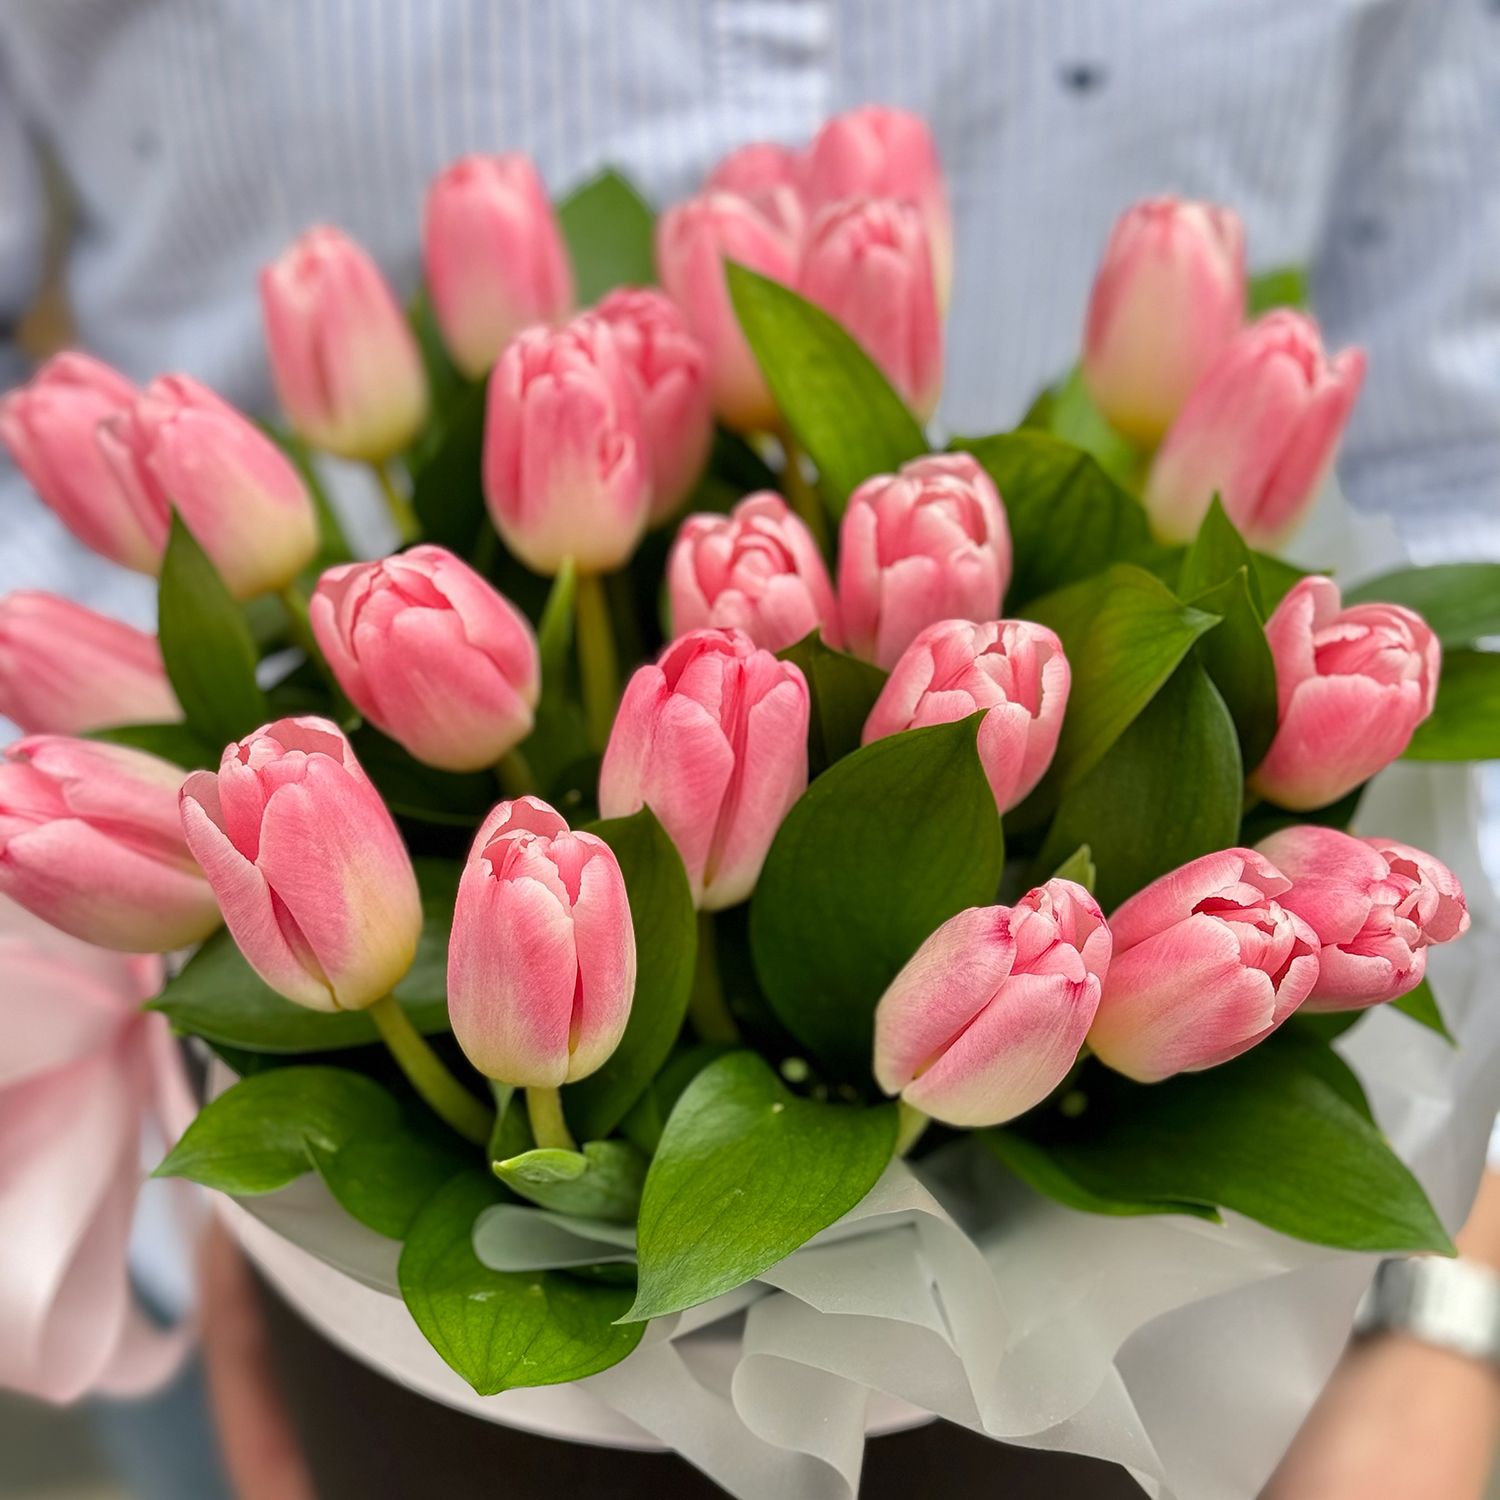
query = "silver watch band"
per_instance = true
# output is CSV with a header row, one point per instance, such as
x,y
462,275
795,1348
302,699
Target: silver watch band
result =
x,y
1454,1304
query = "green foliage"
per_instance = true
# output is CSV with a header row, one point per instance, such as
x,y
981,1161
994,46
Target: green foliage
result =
x,y
843,690
609,230
1460,601
1465,722
1281,286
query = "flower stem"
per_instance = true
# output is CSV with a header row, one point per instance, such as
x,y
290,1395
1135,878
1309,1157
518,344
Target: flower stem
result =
x,y
548,1127
598,666
707,1006
803,497
408,528
514,775
910,1123
444,1094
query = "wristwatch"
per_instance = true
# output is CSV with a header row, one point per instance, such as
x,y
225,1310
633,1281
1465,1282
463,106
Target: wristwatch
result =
x,y
1453,1304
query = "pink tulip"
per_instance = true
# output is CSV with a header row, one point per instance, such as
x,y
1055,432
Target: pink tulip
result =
x,y
713,739
671,378
1168,297
989,1013
48,426
878,152
541,965
867,263
1207,963
1351,686
1376,907
693,240
566,469
1013,669
494,256
314,881
347,367
87,1079
1259,430
179,446
432,655
769,175
66,670
757,569
930,543
90,842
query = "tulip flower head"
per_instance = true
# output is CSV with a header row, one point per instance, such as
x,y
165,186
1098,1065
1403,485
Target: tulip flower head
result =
x,y
1351,687
542,961
769,176
988,1015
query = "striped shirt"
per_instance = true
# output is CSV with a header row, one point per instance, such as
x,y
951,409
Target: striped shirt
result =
x,y
1358,137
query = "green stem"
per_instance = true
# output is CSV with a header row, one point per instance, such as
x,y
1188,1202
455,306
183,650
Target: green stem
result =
x,y
598,667
548,1127
514,775
706,1003
448,1099
408,528
803,497
910,1123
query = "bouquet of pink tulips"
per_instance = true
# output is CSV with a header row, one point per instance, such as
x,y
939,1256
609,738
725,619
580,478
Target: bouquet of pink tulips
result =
x,y
728,789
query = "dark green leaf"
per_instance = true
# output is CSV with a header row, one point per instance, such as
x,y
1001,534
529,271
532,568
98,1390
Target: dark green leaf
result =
x,y
1421,1005
882,848
609,231
219,997
649,1114
745,1173
1237,657
456,799
1465,723
1216,555
447,490
174,742
840,406
1275,579
666,945
1167,791
205,644
1067,411
504,1329
1281,286
602,1181
1265,818
843,689
1460,601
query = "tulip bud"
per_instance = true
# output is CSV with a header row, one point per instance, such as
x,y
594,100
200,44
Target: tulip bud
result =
x,y
494,256
878,152
66,670
713,739
1207,963
346,364
693,240
1351,686
566,471
541,964
757,569
930,543
769,176
1376,907
179,446
1168,297
48,425
989,1013
867,263
431,654
314,882
671,379
90,842
1012,668
1259,430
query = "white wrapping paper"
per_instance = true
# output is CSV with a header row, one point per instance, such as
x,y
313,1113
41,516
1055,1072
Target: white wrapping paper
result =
x,y
1187,1351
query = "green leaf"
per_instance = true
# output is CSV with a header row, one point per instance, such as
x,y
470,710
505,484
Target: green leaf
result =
x,y
1216,555
843,689
219,997
1168,790
842,409
1421,1005
1068,518
1273,1135
1079,867
882,848
602,1181
504,1329
257,1135
454,799
1067,411
609,231
1460,601
1282,286
1125,635
1237,657
1465,722
666,946
745,1173
560,736
447,489
177,743
205,644
1275,579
